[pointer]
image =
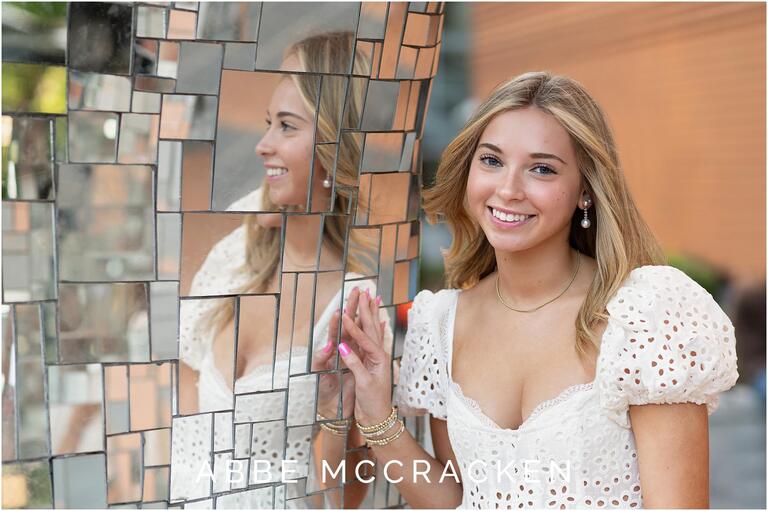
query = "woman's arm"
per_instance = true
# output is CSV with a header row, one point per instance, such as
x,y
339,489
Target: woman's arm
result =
x,y
673,454
424,491
373,403
442,444
333,449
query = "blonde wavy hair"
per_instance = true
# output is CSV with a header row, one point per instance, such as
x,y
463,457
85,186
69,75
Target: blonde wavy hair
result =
x,y
337,102
619,240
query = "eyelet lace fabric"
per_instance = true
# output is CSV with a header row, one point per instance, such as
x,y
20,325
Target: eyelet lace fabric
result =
x,y
269,416
667,341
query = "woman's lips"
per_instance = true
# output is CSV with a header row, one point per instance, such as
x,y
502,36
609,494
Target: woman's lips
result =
x,y
514,220
274,173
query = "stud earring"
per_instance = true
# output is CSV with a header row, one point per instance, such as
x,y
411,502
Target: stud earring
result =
x,y
327,183
585,223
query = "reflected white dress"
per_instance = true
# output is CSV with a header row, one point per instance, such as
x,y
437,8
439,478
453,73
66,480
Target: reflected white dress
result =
x,y
667,341
250,425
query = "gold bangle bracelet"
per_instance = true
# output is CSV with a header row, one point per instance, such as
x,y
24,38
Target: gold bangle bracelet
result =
x,y
339,423
385,441
380,431
337,432
378,427
336,427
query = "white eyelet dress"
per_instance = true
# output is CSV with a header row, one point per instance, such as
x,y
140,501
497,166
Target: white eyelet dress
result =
x,y
667,341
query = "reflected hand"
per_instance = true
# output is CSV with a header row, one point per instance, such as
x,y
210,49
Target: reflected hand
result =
x,y
332,385
372,371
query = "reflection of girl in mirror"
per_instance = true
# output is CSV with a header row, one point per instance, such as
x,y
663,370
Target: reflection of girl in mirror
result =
x,y
565,363
250,261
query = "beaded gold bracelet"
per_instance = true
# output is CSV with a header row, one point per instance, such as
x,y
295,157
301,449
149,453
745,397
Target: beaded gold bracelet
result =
x,y
336,422
330,429
385,441
337,427
381,426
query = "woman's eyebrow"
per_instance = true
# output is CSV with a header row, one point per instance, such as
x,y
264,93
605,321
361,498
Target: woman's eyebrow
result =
x,y
290,114
532,155
491,147
548,156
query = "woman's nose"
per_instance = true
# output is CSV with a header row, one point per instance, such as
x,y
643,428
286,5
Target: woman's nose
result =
x,y
264,146
511,186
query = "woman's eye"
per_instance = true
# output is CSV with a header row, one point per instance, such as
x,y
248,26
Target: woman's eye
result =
x,y
544,169
285,126
490,160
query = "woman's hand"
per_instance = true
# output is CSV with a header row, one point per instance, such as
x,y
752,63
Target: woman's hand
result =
x,y
324,360
372,370
331,384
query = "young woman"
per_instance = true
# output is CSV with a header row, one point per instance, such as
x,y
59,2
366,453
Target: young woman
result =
x,y
564,364
252,260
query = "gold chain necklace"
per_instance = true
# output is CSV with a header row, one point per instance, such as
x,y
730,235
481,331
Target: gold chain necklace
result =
x,y
505,304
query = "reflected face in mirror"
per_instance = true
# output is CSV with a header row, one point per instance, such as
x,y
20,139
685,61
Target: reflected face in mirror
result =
x,y
287,147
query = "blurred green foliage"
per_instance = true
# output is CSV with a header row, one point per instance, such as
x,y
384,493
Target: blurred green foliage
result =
x,y
47,13
34,88
705,274
37,479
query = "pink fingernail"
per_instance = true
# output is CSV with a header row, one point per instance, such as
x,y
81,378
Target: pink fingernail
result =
x,y
368,293
328,346
344,349
378,300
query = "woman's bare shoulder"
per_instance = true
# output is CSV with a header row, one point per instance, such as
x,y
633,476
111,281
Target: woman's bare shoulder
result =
x,y
472,300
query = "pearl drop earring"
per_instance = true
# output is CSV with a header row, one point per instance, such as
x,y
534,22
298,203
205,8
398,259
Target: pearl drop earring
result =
x,y
585,223
327,183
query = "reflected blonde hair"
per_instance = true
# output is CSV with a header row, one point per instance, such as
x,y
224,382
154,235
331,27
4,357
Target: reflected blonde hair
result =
x,y
619,239
336,102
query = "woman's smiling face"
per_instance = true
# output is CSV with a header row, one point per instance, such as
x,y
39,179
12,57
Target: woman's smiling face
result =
x,y
523,184
287,147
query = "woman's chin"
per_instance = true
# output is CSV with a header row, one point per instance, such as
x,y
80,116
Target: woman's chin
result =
x,y
284,202
269,220
510,243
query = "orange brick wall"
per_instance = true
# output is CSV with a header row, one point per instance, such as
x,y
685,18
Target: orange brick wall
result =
x,y
683,85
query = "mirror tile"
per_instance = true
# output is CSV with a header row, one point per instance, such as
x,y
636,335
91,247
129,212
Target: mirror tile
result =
x,y
190,190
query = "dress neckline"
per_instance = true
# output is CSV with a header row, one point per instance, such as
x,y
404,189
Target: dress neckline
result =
x,y
475,407
350,278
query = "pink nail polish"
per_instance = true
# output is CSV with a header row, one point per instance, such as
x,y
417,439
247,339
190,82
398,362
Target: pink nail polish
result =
x,y
344,349
368,293
378,300
328,346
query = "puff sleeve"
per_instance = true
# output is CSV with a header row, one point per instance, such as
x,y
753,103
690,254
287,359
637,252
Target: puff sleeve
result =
x,y
422,379
667,341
